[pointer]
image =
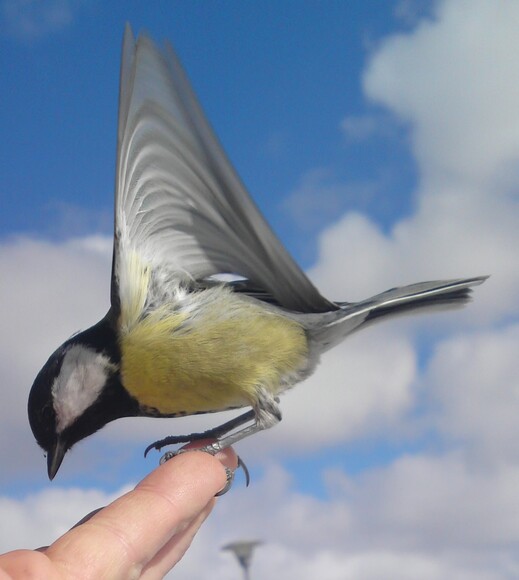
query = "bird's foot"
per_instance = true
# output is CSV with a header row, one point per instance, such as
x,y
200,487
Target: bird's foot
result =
x,y
211,448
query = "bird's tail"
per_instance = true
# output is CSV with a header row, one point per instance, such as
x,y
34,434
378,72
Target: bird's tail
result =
x,y
436,295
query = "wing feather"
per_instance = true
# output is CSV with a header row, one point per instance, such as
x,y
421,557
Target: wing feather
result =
x,y
179,202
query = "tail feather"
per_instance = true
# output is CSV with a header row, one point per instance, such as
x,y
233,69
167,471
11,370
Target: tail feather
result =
x,y
438,294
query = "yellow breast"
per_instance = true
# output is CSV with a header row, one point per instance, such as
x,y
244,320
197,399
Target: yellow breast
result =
x,y
211,359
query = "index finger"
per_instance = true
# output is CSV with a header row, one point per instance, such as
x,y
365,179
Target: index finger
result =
x,y
121,539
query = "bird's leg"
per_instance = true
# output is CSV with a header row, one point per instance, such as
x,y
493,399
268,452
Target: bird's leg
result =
x,y
265,413
216,432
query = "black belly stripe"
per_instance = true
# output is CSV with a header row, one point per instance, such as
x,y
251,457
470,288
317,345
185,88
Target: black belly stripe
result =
x,y
147,411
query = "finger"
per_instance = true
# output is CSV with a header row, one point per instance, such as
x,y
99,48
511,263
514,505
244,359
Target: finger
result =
x,y
120,540
25,564
226,459
175,549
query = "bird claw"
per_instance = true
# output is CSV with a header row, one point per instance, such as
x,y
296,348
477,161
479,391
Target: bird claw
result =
x,y
212,449
167,456
158,445
229,474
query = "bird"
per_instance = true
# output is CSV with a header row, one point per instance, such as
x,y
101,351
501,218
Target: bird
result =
x,y
208,310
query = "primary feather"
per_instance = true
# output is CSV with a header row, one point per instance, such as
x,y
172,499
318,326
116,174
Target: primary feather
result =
x,y
179,203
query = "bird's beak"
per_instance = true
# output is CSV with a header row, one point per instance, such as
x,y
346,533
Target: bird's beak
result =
x,y
55,457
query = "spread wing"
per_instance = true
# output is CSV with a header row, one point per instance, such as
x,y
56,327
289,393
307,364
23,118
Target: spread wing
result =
x,y
179,202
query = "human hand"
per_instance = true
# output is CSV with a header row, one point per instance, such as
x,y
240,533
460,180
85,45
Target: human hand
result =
x,y
142,534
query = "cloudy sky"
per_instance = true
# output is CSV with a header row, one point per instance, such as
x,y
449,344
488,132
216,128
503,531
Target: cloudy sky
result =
x,y
381,139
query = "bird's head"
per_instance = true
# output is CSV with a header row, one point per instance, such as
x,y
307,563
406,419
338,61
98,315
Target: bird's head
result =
x,y
77,392
66,399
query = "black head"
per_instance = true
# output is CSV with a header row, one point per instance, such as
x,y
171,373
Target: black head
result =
x,y
42,416
77,392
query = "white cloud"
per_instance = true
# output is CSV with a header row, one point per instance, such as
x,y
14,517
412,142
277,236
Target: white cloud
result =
x,y
73,221
453,79
38,519
48,292
319,197
474,385
366,126
421,514
360,127
410,12
361,387
430,503
421,517
32,19
450,236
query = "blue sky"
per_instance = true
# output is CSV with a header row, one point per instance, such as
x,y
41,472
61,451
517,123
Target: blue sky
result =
x,y
275,79
381,141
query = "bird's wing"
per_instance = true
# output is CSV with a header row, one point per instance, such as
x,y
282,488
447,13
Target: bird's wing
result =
x,y
179,202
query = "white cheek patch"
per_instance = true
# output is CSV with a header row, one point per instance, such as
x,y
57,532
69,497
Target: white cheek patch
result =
x,y
83,374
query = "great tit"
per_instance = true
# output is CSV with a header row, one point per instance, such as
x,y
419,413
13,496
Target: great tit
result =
x,y
178,339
